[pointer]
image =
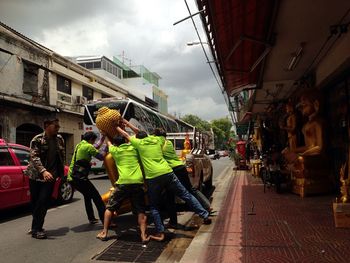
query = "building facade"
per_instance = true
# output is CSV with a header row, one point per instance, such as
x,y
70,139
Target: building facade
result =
x,y
37,83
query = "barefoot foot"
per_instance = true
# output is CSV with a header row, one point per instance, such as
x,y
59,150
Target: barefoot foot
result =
x,y
102,236
158,237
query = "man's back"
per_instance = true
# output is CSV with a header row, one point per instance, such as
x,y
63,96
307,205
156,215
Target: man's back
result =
x,y
151,156
126,158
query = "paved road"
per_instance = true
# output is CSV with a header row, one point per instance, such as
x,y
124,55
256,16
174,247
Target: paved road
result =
x,y
70,235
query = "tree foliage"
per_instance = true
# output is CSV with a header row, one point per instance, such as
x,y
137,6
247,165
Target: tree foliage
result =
x,y
221,128
197,122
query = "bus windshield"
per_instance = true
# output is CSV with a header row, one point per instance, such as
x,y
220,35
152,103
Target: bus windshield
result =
x,y
139,115
90,112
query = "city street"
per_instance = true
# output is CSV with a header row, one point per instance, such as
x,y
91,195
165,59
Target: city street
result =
x,y
70,235
249,100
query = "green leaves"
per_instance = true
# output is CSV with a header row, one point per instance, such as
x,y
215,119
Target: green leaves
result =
x,y
221,128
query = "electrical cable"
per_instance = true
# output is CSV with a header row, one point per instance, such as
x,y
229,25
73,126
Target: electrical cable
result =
x,y
208,61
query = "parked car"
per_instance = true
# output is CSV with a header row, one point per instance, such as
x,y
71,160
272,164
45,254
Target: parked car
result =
x,y
213,154
14,185
223,153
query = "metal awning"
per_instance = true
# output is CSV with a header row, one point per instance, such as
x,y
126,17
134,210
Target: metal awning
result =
x,y
239,32
271,46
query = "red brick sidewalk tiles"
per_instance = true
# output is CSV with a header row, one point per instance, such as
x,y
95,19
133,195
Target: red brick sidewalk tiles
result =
x,y
285,228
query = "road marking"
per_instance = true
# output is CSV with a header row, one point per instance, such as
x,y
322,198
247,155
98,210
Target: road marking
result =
x,y
56,208
225,171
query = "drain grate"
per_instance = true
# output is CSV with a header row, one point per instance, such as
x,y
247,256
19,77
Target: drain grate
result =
x,y
128,248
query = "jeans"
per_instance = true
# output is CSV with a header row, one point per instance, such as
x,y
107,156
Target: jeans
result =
x,y
170,183
182,174
40,198
88,190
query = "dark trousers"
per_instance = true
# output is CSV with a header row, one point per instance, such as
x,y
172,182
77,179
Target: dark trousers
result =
x,y
182,174
170,183
41,193
88,190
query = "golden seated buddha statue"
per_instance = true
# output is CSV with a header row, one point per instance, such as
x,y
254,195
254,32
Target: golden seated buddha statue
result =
x,y
308,164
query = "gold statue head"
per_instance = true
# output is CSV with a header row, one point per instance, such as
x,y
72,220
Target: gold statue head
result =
x,y
309,103
289,107
107,120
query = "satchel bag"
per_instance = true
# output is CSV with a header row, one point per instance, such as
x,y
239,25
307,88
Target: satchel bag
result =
x,y
81,168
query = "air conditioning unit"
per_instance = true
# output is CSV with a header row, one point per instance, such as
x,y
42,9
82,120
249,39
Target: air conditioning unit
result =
x,y
81,100
64,98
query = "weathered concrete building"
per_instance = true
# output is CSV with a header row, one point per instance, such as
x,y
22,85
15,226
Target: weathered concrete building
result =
x,y
35,83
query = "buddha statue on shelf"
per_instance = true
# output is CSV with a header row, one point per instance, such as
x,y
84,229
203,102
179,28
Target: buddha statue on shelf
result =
x,y
308,163
290,127
312,129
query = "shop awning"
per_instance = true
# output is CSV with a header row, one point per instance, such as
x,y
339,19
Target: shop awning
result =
x,y
240,35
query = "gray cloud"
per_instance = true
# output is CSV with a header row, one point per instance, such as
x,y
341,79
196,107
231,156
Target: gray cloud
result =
x,y
143,30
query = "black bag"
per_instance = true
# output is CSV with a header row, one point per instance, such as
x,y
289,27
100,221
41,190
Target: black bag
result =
x,y
81,169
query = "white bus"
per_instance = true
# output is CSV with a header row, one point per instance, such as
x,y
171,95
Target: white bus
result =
x,y
137,114
197,163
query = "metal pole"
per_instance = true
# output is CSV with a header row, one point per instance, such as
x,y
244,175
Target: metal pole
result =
x,y
188,17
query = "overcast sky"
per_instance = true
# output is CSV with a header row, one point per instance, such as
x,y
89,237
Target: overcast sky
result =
x,y
142,29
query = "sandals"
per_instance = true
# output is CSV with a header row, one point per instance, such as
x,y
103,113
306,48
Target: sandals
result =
x,y
146,240
93,221
39,235
101,237
105,238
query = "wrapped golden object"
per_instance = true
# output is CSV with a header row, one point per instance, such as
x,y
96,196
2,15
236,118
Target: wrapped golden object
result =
x,y
107,121
111,168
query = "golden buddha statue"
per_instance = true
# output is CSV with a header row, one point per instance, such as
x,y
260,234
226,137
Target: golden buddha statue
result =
x,y
344,187
290,127
187,148
308,163
312,129
107,121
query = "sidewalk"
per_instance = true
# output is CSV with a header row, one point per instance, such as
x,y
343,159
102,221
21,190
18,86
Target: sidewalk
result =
x,y
285,227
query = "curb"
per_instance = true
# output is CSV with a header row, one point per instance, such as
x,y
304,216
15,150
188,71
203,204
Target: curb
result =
x,y
223,184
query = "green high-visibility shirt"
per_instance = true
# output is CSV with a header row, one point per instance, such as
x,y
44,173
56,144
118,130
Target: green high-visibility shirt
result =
x,y
169,153
126,159
151,155
85,152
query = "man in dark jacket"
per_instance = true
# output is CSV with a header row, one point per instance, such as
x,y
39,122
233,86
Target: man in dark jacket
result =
x,y
46,164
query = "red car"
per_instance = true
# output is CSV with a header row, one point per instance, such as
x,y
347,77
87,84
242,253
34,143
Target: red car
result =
x,y
14,185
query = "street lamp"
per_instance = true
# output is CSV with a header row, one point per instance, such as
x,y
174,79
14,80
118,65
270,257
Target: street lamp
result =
x,y
196,43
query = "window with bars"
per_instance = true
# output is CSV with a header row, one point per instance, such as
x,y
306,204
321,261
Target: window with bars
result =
x,y
30,78
64,85
88,93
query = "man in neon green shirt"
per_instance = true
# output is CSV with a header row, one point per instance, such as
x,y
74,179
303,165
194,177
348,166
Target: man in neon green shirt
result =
x,y
159,177
128,186
85,150
181,173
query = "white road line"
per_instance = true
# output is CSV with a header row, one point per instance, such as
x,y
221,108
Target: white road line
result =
x,y
56,208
